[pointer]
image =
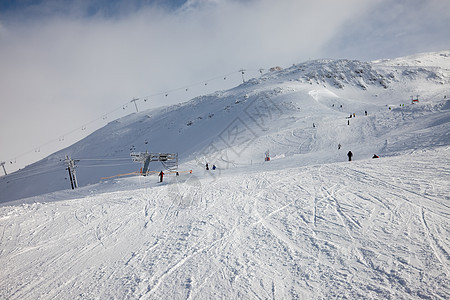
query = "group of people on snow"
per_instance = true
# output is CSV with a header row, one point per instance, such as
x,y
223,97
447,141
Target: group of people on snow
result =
x,y
350,155
354,116
161,174
207,167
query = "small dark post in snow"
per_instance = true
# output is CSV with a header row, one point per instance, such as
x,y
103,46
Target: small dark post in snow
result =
x,y
134,100
242,72
3,165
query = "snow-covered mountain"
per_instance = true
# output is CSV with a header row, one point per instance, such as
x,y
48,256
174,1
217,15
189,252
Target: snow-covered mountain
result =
x,y
306,224
275,112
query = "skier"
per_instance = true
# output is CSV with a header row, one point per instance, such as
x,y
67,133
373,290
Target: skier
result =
x,y
214,167
375,156
207,166
339,146
161,175
349,154
365,112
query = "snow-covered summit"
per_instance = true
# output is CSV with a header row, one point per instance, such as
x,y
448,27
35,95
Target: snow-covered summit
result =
x,y
339,73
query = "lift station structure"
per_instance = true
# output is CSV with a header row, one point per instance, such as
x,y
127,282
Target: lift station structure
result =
x,y
168,160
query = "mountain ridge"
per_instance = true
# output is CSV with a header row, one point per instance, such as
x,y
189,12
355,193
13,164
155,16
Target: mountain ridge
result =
x,y
299,99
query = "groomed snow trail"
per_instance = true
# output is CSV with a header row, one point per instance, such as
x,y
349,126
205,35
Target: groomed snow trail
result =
x,y
369,229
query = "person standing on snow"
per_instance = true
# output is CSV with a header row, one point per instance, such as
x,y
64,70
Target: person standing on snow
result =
x,y
349,154
161,175
207,166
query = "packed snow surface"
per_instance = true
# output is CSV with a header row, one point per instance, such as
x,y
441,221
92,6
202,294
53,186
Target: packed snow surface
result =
x,y
368,229
308,224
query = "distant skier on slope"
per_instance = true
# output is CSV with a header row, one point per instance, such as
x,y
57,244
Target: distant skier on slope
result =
x,y
349,154
161,175
207,166
375,156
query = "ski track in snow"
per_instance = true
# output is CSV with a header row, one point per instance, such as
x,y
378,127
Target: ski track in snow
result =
x,y
314,232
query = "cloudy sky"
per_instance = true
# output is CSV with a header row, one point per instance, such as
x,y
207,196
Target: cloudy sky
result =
x,y
69,67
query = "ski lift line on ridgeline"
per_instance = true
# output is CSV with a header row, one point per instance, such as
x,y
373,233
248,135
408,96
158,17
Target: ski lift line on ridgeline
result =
x,y
27,175
31,169
104,116
44,168
104,159
95,166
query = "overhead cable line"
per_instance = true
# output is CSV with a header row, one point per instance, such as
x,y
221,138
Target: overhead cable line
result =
x,y
123,106
111,165
103,159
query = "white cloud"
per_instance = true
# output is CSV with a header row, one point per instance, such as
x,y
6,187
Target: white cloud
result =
x,y
395,28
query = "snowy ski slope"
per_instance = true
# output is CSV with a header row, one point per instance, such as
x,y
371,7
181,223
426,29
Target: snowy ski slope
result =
x,y
372,229
306,225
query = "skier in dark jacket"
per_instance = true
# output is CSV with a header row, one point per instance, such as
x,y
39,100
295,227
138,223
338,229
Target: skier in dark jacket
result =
x,y
161,175
349,154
